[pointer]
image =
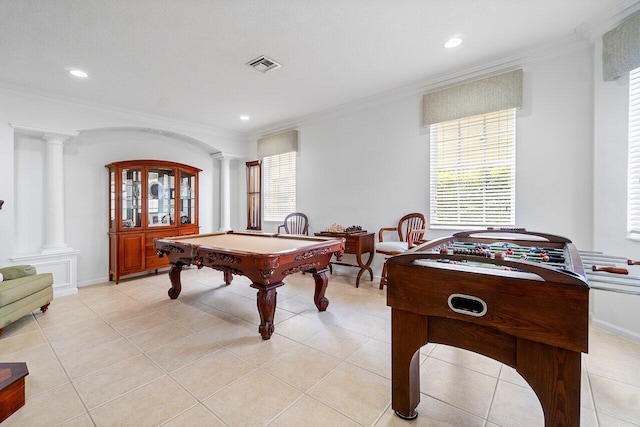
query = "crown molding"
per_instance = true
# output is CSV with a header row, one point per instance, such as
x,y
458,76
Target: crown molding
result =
x,y
566,45
610,18
582,38
41,132
147,120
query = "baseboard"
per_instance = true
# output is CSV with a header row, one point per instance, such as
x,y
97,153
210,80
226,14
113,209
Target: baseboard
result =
x,y
615,329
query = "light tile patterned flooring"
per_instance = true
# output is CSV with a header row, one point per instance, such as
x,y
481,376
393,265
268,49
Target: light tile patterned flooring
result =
x,y
127,355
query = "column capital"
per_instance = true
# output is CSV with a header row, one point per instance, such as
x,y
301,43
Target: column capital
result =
x,y
55,138
225,156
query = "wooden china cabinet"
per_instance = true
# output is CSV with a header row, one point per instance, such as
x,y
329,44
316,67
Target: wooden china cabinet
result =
x,y
148,199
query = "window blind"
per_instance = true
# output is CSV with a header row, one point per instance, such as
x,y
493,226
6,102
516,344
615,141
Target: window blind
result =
x,y
279,175
633,188
473,171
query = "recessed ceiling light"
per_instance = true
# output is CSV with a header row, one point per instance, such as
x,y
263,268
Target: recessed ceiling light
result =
x,y
244,117
78,73
453,42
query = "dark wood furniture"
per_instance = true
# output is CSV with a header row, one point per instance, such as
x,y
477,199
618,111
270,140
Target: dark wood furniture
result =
x,y
11,388
357,243
410,230
254,195
148,199
295,223
530,315
266,259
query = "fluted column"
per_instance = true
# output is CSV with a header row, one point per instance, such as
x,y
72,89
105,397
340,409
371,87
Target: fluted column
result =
x,y
225,189
54,227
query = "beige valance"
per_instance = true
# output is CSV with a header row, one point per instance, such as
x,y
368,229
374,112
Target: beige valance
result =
x,y
471,99
279,143
621,49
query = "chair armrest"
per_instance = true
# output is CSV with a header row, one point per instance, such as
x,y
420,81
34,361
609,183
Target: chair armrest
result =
x,y
382,230
415,234
279,227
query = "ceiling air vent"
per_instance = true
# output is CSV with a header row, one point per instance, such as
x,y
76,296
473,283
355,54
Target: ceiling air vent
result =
x,y
263,64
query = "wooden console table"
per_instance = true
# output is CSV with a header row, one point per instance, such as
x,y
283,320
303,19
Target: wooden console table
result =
x,y
357,243
11,388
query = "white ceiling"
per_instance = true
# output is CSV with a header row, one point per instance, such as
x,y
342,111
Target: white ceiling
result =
x,y
185,59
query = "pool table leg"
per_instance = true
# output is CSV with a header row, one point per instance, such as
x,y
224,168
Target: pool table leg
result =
x,y
176,286
320,277
266,307
228,277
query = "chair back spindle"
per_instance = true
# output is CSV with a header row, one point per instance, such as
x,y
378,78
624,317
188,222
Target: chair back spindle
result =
x,y
295,223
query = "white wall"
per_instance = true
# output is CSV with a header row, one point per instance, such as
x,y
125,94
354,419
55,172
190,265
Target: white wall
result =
x,y
370,167
613,311
22,158
554,151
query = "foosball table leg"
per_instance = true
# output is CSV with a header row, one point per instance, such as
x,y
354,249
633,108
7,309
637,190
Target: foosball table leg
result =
x,y
409,333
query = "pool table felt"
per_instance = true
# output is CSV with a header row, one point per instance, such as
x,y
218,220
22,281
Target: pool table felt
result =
x,y
258,243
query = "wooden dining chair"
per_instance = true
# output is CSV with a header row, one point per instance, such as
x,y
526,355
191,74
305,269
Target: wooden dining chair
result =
x,y
410,231
295,223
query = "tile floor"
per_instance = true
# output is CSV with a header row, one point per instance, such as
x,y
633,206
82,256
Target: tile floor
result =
x,y
127,355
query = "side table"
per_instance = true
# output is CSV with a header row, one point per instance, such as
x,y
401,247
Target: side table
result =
x,y
357,243
11,388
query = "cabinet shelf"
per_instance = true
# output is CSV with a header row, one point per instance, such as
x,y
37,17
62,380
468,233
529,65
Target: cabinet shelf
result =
x,y
148,199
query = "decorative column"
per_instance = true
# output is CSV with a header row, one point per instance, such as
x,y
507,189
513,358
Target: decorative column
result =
x,y
225,189
55,256
54,230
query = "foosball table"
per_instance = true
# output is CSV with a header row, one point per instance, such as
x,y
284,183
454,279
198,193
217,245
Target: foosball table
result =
x,y
515,296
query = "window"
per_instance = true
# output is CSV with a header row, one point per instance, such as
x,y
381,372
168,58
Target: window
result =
x,y
473,171
279,185
633,187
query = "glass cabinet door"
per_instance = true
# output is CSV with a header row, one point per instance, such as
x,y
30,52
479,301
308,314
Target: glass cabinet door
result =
x,y
187,198
161,202
131,198
112,199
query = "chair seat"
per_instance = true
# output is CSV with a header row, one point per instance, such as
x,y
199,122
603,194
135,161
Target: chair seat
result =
x,y
392,247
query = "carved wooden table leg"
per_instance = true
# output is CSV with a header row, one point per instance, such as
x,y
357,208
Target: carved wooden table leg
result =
x,y
176,286
364,266
408,333
228,277
320,277
266,307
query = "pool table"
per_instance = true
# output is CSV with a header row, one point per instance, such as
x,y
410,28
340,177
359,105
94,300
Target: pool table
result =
x,y
266,259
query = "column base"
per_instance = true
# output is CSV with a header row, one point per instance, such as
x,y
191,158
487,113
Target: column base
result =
x,y
63,264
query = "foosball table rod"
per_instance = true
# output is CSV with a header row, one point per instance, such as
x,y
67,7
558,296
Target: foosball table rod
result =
x,y
588,255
